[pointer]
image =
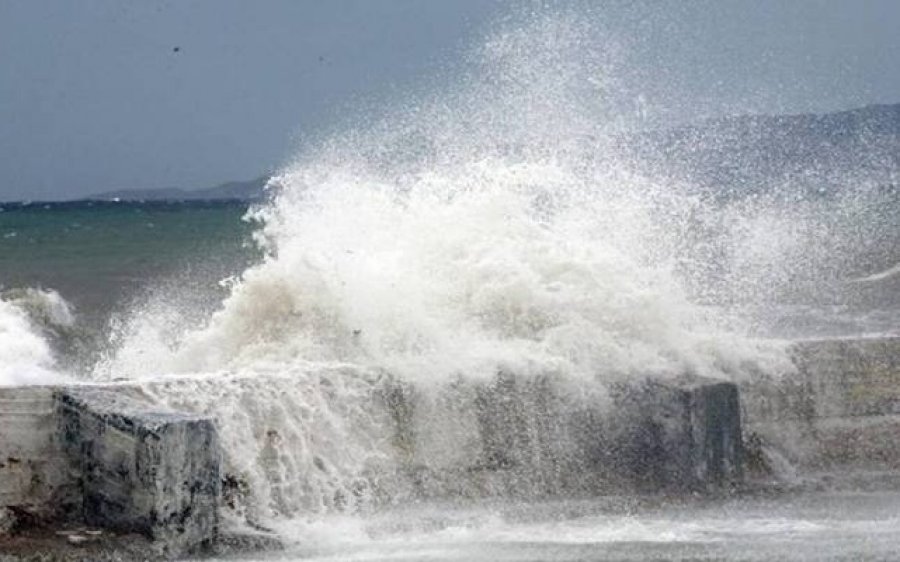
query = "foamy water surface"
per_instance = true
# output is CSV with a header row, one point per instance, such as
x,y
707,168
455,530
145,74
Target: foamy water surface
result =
x,y
814,526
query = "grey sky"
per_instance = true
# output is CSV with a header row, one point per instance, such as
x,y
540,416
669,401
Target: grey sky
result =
x,y
94,96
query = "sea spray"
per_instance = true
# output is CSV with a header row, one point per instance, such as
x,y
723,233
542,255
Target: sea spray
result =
x,y
487,235
30,319
493,226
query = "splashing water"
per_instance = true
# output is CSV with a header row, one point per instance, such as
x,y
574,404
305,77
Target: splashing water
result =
x,y
27,318
491,229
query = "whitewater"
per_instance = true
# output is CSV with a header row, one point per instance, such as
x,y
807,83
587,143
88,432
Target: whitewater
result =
x,y
456,238
27,354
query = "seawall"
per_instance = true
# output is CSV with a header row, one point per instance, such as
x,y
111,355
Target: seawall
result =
x,y
112,459
839,414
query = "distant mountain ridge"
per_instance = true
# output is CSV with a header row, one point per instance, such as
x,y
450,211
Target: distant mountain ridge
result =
x,y
739,154
251,190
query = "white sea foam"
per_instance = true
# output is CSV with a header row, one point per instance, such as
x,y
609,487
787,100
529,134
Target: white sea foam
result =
x,y
812,529
25,354
490,228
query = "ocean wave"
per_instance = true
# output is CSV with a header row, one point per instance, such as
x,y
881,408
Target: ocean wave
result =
x,y
488,230
28,318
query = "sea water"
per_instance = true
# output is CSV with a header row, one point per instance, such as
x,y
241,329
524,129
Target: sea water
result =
x,y
492,225
825,526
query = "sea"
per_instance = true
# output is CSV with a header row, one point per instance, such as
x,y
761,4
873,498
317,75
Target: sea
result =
x,y
494,225
103,254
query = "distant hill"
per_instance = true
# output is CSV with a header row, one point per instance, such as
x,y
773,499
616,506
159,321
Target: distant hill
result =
x,y
732,156
251,190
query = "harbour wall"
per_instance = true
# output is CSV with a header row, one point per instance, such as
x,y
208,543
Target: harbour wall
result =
x,y
838,414
114,457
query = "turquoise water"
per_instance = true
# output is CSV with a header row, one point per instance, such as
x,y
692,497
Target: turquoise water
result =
x,y
107,260
99,256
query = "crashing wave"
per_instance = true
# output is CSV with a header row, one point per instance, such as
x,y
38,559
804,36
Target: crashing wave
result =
x,y
29,319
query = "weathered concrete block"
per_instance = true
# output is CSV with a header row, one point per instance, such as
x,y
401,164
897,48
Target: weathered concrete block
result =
x,y
34,471
143,470
839,410
851,378
537,437
680,435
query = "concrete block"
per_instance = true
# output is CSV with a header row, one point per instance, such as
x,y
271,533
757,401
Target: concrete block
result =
x,y
533,437
142,469
35,477
840,410
851,378
682,434
553,438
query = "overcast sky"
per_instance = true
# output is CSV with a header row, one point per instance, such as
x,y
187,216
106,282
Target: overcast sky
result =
x,y
102,95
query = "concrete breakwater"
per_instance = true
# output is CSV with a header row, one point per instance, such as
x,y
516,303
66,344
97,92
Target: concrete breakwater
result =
x,y
839,414
116,457
113,458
